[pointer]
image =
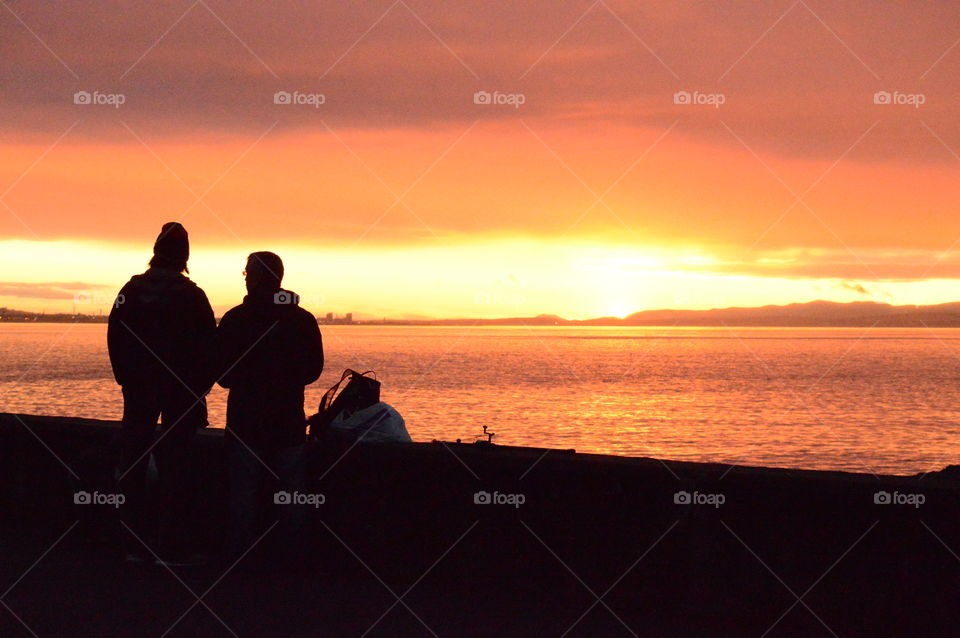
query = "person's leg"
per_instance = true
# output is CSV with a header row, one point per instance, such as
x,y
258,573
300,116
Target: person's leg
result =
x,y
140,412
180,417
288,463
244,472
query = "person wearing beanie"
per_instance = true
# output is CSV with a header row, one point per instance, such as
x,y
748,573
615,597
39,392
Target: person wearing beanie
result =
x,y
269,350
172,248
161,339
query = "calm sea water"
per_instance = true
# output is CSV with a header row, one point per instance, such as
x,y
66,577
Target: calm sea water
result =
x,y
880,400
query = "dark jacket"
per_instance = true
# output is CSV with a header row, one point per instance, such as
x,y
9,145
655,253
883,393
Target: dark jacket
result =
x,y
161,334
268,351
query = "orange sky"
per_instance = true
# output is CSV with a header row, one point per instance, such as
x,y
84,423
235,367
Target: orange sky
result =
x,y
399,195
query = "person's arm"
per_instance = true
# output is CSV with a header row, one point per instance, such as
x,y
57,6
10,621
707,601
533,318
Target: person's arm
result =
x,y
118,336
225,352
312,350
206,331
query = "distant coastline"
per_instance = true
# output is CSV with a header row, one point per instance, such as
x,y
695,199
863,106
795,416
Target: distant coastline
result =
x,y
8,315
799,315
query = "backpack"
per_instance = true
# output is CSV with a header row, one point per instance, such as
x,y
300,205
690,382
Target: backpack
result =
x,y
354,391
380,423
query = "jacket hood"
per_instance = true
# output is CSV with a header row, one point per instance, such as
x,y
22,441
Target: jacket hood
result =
x,y
278,303
162,279
157,272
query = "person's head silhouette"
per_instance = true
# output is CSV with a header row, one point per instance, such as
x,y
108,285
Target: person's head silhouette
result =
x,y
172,248
264,273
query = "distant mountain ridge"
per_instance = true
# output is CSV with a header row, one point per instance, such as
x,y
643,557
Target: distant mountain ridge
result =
x,y
810,314
814,313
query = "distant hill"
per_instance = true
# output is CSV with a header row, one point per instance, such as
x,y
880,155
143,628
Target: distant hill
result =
x,y
814,313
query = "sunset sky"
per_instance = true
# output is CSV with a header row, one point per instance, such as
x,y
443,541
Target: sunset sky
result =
x,y
821,162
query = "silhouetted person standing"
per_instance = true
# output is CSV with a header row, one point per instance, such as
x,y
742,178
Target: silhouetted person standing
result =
x,y
161,339
270,348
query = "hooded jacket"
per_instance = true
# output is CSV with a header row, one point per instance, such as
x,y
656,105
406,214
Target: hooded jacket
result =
x,y
269,348
161,334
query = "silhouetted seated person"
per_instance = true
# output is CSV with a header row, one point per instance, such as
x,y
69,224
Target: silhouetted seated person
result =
x,y
269,349
161,339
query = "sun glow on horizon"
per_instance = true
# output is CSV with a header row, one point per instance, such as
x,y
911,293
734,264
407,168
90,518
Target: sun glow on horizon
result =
x,y
619,309
490,279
